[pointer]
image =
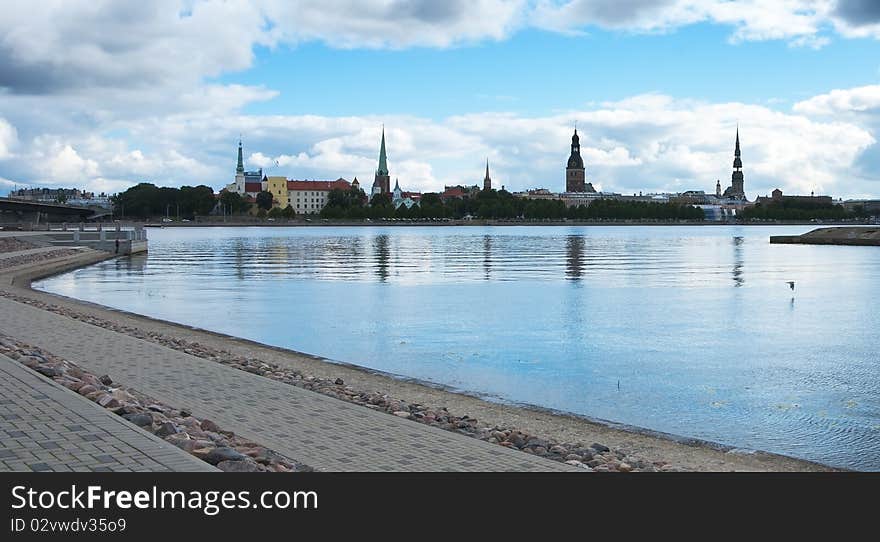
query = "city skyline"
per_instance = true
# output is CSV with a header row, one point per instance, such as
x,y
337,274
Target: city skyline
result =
x,y
655,91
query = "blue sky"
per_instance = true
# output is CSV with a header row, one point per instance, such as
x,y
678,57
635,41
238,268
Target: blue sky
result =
x,y
538,72
117,93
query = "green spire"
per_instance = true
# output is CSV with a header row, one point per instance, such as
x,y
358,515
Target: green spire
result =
x,y
240,167
383,160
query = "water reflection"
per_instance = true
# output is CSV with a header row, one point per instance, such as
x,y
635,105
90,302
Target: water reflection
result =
x,y
542,334
487,257
381,256
574,261
738,279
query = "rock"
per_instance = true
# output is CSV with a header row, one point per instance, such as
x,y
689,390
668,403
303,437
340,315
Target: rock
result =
x,y
51,372
106,380
535,442
402,414
123,396
339,382
30,361
167,429
208,425
140,420
238,466
558,450
539,450
573,463
624,467
517,439
107,400
600,447
224,453
184,413
574,457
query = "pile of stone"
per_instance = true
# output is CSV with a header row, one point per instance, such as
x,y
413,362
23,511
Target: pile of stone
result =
x,y
36,257
595,456
200,437
13,244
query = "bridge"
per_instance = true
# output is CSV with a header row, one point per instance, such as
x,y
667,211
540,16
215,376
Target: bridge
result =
x,y
48,211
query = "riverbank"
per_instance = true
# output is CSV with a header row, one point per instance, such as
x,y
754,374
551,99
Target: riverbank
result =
x,y
475,222
532,430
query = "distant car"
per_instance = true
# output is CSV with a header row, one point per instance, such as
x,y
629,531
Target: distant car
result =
x,y
271,219
185,220
166,219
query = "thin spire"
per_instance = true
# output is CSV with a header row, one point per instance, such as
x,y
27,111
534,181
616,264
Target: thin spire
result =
x,y
239,168
487,168
383,159
736,151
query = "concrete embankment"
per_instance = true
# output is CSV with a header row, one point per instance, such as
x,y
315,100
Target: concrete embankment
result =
x,y
833,236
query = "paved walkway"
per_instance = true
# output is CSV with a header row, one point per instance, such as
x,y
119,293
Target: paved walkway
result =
x,y
321,431
46,427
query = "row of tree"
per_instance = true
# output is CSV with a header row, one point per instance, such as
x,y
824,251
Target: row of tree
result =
x,y
499,204
148,200
799,210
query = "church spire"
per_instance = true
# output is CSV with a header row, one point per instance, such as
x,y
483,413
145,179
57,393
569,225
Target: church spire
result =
x,y
383,160
240,167
487,181
737,161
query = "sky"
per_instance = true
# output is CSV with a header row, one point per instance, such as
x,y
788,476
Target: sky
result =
x,y
102,95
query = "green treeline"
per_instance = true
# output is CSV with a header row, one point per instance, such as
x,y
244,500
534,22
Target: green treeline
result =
x,y
147,200
500,204
798,210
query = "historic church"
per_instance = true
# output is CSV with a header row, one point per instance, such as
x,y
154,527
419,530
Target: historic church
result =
x,y
575,173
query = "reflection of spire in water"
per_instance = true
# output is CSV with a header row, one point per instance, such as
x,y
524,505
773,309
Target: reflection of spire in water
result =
x,y
574,258
240,259
738,279
380,248
487,256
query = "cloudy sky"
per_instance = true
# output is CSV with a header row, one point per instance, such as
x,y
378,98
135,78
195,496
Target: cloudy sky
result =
x,y
103,94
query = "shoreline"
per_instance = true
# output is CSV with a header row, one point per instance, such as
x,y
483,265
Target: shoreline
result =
x,y
318,222
685,452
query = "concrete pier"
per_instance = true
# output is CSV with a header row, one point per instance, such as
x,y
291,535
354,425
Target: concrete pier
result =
x,y
855,236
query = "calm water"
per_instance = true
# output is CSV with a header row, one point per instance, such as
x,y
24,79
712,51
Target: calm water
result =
x,y
697,324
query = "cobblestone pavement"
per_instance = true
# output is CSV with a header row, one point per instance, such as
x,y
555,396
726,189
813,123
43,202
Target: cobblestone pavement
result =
x,y
46,427
323,432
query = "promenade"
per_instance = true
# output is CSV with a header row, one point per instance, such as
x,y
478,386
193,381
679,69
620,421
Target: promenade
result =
x,y
320,431
46,427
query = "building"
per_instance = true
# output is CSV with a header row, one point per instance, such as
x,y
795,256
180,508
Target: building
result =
x,y
309,197
870,206
736,190
66,196
459,192
776,197
246,182
382,181
575,173
400,197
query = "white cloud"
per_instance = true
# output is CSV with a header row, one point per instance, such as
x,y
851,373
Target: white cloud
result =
x,y
842,101
795,20
8,138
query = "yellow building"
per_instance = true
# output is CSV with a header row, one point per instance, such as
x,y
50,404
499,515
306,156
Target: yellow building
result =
x,y
277,186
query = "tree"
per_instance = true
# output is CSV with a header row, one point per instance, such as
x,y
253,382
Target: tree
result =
x,y
264,200
276,212
233,202
288,212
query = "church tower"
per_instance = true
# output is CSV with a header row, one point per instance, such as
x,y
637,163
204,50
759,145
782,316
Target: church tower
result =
x,y
736,180
487,182
382,182
239,172
575,174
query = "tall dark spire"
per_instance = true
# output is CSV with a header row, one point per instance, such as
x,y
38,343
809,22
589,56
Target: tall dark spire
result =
x,y
487,181
737,161
383,160
575,175
240,167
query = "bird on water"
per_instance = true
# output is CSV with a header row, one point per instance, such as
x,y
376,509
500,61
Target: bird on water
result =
x,y
791,284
